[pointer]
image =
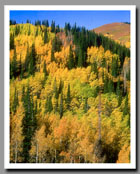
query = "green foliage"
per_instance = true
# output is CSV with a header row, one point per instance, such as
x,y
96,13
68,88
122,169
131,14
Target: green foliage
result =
x,y
45,36
12,41
56,44
94,68
48,105
126,108
45,22
61,105
13,65
86,107
53,27
80,59
71,59
68,100
110,86
114,67
62,115
32,63
17,30
29,123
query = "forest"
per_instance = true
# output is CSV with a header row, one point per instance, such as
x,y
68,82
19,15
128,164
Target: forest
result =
x,y
69,95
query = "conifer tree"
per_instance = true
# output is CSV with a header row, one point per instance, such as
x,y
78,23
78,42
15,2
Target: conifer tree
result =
x,y
17,30
52,55
105,84
36,34
21,71
48,105
114,67
80,59
94,68
119,93
61,105
29,31
45,36
44,69
86,105
61,84
32,63
126,108
29,124
53,26
110,86
68,100
27,129
13,65
57,30
71,59
45,22
12,44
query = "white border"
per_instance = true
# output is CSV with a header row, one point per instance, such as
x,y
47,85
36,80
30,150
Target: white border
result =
x,y
131,165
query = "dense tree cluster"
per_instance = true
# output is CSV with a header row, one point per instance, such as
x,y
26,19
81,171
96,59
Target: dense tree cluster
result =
x,y
69,95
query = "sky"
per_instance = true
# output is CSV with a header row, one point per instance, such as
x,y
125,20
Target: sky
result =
x,y
88,19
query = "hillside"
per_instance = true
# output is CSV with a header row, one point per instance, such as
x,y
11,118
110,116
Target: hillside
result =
x,y
120,32
69,96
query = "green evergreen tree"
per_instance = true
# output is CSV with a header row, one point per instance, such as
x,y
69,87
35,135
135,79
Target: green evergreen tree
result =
x,y
128,75
23,94
71,59
118,87
68,100
126,108
110,86
45,70
61,105
29,123
37,32
29,31
45,36
28,21
21,71
80,59
61,84
17,30
86,105
12,43
48,105
32,63
52,55
45,22
57,29
13,66
119,93
27,129
94,68
114,67
53,26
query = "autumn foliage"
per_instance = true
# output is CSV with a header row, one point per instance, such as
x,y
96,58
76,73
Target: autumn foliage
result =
x,y
64,92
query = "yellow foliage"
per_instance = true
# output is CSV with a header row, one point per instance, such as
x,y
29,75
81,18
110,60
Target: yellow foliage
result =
x,y
124,154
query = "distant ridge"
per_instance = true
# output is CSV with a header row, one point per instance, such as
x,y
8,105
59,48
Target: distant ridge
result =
x,y
119,32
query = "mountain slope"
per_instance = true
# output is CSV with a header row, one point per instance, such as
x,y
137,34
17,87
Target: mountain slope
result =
x,y
119,32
